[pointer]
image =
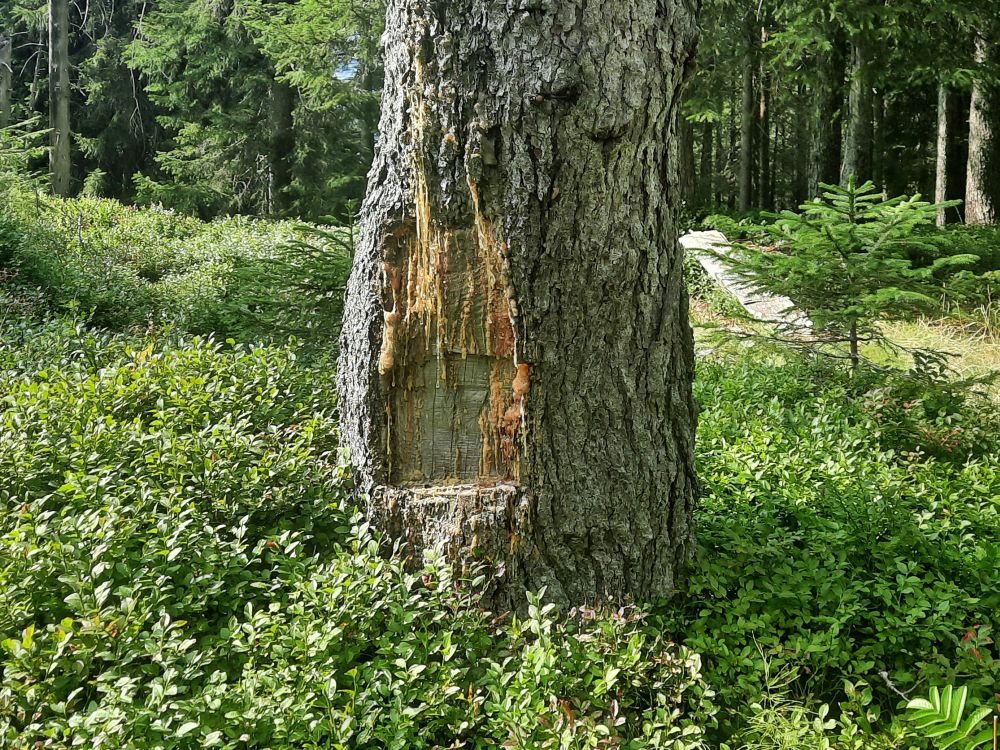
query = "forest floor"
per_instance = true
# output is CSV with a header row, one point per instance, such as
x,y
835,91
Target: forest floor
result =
x,y
975,349
971,347
182,564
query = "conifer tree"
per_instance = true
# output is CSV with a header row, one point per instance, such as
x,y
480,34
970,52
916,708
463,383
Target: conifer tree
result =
x,y
850,260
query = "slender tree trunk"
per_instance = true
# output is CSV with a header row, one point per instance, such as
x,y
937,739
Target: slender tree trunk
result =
x,y
59,96
779,146
855,350
766,197
706,173
282,147
800,179
978,206
824,152
721,166
41,56
685,147
879,140
516,361
6,76
733,161
958,147
941,171
747,122
858,136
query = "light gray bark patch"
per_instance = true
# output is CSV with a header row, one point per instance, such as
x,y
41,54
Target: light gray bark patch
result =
x,y
979,208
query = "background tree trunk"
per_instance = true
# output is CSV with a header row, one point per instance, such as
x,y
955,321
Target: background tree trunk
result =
x,y
59,96
41,56
282,147
858,135
685,147
880,108
824,151
516,363
765,198
800,139
747,124
941,169
706,174
6,76
721,166
978,206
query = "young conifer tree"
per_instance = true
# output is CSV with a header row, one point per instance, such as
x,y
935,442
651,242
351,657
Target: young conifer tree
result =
x,y
851,259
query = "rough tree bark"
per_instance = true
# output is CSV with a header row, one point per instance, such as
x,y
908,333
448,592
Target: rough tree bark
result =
x,y
941,169
858,134
6,76
59,95
516,364
978,205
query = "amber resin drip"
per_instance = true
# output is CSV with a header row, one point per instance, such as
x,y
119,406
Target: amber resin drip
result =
x,y
453,410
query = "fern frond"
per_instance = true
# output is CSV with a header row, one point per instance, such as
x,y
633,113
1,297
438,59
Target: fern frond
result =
x,y
939,718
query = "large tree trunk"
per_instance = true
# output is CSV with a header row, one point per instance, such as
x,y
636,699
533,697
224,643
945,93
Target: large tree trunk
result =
x,y
941,170
6,76
978,206
59,95
858,135
516,364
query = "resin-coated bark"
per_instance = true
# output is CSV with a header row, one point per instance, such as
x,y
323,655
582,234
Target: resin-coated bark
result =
x,y
516,365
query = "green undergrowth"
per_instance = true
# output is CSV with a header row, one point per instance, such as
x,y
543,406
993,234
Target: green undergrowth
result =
x,y
123,267
849,538
181,566
965,299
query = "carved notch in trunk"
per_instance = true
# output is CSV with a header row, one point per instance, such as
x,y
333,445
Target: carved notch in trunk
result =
x,y
453,415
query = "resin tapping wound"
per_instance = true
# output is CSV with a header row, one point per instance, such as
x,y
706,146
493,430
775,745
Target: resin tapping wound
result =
x,y
448,345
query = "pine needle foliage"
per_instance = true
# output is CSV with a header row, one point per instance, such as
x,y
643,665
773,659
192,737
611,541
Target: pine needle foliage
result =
x,y
848,259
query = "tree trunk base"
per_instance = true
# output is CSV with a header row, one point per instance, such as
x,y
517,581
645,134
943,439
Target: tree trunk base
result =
x,y
475,528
